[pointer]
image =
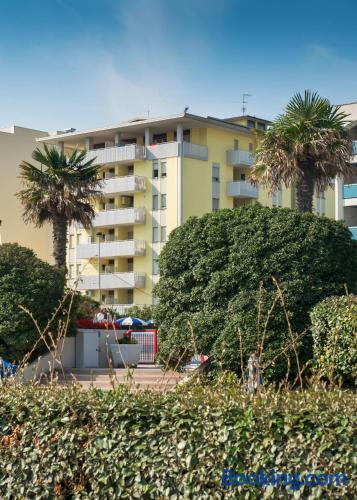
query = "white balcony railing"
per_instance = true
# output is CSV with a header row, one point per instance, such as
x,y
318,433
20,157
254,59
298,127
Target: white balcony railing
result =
x,y
196,151
123,248
112,281
163,150
239,157
169,149
241,189
116,154
128,184
120,309
125,216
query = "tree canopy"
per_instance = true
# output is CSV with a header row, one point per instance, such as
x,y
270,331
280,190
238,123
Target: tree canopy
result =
x,y
215,270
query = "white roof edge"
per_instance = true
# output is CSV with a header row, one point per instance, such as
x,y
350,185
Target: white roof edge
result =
x,y
217,121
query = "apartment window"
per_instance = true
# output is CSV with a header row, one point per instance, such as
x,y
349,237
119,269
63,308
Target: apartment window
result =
x,y
215,204
163,201
320,203
71,241
155,202
159,138
250,147
130,265
130,169
71,271
130,296
155,234
78,238
163,233
251,123
236,144
130,234
280,197
277,198
163,169
215,172
155,169
261,126
242,177
155,266
186,137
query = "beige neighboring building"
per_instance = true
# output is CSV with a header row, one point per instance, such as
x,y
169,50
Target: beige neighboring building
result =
x,y
16,145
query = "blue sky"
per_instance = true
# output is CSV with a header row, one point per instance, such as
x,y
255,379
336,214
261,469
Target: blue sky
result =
x,y
87,63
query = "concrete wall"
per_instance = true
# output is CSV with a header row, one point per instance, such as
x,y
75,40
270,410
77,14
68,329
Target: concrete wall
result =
x,y
44,364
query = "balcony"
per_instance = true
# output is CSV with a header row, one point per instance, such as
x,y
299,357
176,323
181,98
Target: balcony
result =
x,y
170,149
354,232
120,309
350,195
116,154
124,216
241,189
125,185
119,248
112,281
239,158
196,151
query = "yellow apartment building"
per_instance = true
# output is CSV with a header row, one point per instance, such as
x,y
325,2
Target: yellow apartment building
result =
x,y
16,145
156,173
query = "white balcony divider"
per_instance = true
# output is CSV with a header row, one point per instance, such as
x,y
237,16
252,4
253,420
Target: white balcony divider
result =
x,y
125,216
128,184
239,157
112,281
123,248
241,189
116,154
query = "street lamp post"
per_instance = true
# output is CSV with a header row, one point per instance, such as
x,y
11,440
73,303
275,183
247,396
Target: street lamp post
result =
x,y
99,235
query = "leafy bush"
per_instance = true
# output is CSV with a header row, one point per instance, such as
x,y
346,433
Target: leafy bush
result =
x,y
25,281
334,331
212,267
59,443
144,312
127,340
86,307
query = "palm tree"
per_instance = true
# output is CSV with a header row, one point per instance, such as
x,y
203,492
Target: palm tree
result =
x,y
307,147
60,191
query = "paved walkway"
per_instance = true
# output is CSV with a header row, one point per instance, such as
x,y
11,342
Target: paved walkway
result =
x,y
139,379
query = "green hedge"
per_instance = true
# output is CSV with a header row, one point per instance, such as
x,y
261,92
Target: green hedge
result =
x,y
334,330
69,444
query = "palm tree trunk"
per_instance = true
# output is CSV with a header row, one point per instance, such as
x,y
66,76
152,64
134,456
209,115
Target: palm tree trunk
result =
x,y
59,235
305,188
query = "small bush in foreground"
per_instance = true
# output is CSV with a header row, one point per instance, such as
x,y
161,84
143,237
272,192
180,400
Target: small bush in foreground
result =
x,y
334,330
60,443
27,281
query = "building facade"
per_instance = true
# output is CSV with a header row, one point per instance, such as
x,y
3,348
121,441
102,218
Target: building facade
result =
x,y
155,174
16,145
346,189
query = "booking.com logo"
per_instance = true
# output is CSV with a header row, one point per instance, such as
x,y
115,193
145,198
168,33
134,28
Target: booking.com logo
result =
x,y
294,480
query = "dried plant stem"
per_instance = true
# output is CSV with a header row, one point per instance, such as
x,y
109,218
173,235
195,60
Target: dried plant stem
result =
x,y
293,339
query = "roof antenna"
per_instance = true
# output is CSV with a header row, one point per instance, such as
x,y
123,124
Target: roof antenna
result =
x,y
148,111
244,102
